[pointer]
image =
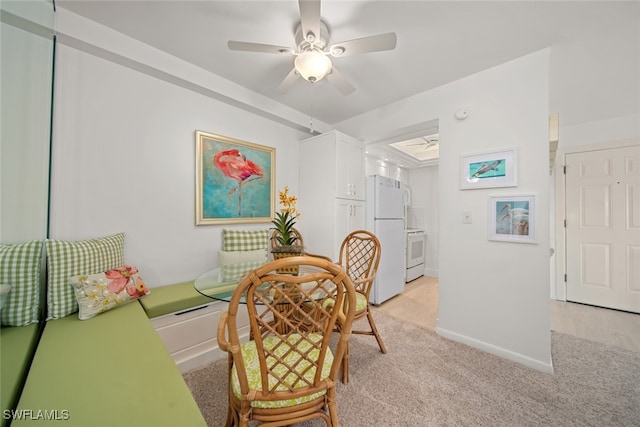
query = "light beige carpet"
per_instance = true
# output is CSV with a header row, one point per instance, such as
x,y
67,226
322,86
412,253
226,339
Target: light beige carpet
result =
x,y
426,380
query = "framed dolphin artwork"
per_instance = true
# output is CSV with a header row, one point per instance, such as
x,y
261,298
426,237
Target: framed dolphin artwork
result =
x,y
491,169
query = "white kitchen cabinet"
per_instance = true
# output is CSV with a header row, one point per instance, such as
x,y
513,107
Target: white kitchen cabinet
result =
x,y
339,159
349,217
332,191
350,179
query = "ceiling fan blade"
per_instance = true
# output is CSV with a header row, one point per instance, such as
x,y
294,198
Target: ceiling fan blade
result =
x,y
425,144
259,47
310,19
340,82
288,81
376,43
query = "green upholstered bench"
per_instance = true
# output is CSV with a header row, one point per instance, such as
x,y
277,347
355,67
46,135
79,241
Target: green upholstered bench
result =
x,y
17,346
172,298
110,370
186,322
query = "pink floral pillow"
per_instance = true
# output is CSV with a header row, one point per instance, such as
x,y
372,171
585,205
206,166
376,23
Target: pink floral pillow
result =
x,y
97,293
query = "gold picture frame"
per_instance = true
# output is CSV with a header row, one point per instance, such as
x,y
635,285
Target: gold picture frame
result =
x,y
235,180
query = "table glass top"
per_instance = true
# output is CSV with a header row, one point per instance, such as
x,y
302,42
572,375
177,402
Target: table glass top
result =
x,y
221,282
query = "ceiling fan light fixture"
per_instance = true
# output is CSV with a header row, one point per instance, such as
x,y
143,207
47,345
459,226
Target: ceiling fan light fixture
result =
x,y
313,66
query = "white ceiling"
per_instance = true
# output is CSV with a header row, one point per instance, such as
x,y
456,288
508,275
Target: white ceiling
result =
x,y
595,47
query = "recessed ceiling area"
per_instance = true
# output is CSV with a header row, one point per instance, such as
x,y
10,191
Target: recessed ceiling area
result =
x,y
408,148
422,149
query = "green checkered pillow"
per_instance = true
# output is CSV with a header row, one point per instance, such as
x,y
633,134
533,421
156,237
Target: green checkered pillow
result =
x,y
71,258
236,272
20,268
244,240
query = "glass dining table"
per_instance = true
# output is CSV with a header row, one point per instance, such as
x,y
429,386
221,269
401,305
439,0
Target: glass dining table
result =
x,y
221,282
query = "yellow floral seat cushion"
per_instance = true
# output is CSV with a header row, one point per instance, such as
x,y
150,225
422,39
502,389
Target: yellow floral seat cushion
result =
x,y
361,302
252,367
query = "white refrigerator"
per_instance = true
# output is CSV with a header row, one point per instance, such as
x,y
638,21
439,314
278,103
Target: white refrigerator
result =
x,y
385,219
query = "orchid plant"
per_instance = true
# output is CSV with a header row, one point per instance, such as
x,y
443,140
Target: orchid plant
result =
x,y
286,218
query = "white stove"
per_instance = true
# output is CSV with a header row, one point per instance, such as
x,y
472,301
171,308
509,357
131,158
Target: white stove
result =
x,y
415,249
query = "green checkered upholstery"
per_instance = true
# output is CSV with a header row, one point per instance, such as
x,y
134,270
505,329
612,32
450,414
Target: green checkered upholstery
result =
x,y
71,258
244,240
236,272
20,268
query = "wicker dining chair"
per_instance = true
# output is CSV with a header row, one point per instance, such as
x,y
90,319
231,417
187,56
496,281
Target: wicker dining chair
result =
x,y
287,373
360,256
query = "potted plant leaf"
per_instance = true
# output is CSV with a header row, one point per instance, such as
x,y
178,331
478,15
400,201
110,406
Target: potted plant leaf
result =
x,y
284,234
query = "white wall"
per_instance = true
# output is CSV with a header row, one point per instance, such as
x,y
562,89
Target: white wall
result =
x,y
492,295
124,161
606,130
374,166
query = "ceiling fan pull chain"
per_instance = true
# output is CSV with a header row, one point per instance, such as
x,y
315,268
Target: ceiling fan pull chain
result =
x,y
311,118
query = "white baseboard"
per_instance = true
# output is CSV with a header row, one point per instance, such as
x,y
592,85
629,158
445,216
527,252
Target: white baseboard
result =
x,y
431,272
498,351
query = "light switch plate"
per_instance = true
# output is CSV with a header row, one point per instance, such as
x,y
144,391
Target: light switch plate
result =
x,y
466,217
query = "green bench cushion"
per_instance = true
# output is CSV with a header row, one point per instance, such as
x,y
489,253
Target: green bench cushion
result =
x,y
17,345
110,370
169,299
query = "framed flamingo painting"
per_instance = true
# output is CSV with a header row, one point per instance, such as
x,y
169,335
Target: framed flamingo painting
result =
x,y
235,180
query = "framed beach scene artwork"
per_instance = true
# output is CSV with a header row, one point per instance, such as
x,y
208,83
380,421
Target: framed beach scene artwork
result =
x,y
512,218
491,169
235,180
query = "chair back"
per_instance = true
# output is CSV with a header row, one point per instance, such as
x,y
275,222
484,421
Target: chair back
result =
x,y
291,319
360,256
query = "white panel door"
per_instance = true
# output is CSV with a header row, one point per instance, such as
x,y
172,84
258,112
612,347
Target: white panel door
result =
x,y
603,228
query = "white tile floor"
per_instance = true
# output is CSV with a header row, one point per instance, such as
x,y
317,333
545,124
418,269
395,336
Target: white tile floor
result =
x,y
419,304
603,325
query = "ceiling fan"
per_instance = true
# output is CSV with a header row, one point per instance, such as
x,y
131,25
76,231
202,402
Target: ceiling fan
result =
x,y
427,141
312,50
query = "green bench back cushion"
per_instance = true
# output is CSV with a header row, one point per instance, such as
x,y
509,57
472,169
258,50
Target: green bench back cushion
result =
x,y
17,349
